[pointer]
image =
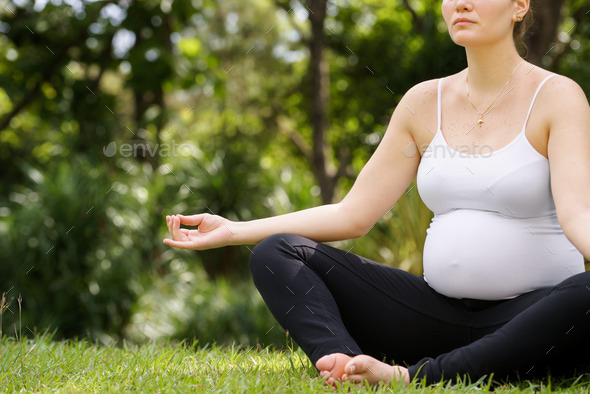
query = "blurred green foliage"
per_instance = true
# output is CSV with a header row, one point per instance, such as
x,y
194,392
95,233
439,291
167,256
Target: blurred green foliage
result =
x,y
114,114
188,304
64,251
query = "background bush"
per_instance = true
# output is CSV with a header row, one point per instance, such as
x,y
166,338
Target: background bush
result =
x,y
81,224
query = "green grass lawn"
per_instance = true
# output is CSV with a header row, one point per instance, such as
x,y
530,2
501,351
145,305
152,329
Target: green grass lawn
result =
x,y
79,366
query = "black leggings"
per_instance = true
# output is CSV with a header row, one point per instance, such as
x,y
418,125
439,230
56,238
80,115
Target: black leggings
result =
x,y
331,301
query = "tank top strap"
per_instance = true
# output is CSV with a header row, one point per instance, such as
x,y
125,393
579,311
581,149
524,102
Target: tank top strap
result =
x,y
533,101
439,104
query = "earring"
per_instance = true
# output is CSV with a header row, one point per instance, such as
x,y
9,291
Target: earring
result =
x,y
519,18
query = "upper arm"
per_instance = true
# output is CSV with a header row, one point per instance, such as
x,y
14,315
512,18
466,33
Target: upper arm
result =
x,y
569,149
392,167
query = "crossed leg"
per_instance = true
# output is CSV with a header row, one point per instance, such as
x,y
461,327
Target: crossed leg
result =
x,y
336,305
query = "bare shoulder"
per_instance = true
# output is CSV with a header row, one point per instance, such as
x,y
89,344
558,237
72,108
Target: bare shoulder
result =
x,y
565,86
422,93
561,93
417,110
563,83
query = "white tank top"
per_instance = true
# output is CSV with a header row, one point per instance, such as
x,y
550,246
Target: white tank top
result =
x,y
495,233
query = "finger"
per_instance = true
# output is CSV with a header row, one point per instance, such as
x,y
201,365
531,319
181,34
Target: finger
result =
x,y
192,220
169,224
176,233
178,244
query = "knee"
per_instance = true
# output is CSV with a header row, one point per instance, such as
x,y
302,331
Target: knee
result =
x,y
269,251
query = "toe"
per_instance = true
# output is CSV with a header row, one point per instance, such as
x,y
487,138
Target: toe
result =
x,y
350,368
326,363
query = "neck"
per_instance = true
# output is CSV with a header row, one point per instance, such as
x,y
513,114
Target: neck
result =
x,y
489,67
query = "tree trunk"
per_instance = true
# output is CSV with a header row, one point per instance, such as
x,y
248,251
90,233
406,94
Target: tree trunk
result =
x,y
318,68
544,35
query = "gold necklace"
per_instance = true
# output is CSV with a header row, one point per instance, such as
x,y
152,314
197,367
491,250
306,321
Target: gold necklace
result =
x,y
489,108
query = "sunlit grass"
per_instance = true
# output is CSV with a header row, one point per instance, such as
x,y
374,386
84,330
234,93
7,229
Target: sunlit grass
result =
x,y
77,365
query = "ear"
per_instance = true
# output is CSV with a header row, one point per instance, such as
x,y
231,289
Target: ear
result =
x,y
521,7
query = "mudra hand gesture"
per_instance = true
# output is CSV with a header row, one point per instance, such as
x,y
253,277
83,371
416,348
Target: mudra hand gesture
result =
x,y
212,231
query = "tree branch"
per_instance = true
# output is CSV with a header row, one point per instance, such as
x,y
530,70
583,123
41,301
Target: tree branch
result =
x,y
343,163
48,72
296,138
418,22
283,4
33,92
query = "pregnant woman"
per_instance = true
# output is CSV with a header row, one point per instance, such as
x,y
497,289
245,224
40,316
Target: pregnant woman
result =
x,y
501,154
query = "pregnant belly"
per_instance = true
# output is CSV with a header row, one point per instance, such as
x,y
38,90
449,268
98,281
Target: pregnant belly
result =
x,y
485,255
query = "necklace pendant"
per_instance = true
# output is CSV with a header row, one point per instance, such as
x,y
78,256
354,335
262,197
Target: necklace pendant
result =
x,y
480,122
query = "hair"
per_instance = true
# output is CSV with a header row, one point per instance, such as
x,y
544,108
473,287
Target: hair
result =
x,y
522,30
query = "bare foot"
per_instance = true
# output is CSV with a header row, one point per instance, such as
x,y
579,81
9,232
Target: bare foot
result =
x,y
332,365
365,368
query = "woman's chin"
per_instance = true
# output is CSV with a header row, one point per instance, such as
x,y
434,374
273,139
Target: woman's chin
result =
x,y
464,39
469,42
